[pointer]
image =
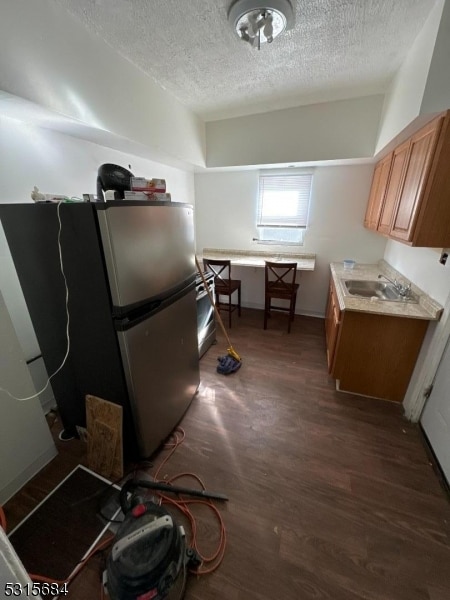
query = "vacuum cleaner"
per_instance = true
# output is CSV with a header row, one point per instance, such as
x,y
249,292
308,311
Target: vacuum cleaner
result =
x,y
150,559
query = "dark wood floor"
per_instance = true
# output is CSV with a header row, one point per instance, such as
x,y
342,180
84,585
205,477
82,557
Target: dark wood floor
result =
x,y
332,496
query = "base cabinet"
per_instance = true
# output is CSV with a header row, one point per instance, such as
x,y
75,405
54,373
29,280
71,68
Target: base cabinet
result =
x,y
375,355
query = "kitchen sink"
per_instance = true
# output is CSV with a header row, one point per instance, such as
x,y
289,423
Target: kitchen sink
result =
x,y
376,289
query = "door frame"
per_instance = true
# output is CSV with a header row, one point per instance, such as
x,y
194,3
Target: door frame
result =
x,y
416,395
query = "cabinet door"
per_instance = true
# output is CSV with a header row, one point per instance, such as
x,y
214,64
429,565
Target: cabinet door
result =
x,y
328,323
420,155
399,159
332,318
378,192
368,219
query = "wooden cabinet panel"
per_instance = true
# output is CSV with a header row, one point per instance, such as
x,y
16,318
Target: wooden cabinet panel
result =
x,y
378,192
432,227
376,354
420,154
399,159
373,198
409,197
332,322
329,325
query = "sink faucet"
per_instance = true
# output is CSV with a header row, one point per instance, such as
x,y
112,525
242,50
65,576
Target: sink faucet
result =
x,y
403,290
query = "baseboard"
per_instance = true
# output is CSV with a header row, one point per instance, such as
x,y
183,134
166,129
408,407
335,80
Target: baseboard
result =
x,y
20,480
342,391
39,376
434,462
305,313
48,405
310,313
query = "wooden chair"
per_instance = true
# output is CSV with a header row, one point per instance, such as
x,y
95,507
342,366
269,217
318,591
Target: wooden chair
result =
x,y
224,285
280,284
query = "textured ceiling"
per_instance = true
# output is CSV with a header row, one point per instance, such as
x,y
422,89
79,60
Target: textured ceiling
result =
x,y
337,49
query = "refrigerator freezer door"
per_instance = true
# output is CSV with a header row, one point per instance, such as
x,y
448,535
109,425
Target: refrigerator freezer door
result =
x,y
148,248
160,358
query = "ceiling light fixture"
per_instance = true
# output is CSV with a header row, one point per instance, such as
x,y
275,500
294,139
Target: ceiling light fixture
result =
x,y
258,22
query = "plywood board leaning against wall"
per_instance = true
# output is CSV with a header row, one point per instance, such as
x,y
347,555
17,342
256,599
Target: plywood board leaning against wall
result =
x,y
104,437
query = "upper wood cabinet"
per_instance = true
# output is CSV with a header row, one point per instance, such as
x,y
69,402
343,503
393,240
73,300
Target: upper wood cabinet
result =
x,y
415,207
378,192
399,157
421,151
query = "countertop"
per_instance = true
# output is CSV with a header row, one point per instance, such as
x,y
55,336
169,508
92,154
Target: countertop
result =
x,y
426,308
248,258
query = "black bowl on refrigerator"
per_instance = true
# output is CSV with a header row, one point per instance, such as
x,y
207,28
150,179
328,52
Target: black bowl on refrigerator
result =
x,y
113,177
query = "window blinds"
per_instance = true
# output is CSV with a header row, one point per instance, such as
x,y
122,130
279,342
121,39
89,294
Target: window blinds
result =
x,y
284,200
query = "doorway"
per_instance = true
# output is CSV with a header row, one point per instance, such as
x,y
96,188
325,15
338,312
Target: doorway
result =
x,y
435,418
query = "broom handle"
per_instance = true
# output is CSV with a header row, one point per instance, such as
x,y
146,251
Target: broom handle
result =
x,y
213,304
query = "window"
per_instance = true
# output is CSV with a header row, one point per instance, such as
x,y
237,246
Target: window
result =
x,y
283,206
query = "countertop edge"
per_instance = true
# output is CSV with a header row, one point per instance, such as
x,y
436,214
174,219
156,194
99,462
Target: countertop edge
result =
x,y
257,253
250,258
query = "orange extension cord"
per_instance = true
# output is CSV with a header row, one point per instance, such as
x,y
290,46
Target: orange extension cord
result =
x,y
209,563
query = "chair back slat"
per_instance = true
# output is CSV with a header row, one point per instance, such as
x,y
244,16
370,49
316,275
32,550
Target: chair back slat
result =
x,y
280,276
280,284
224,285
221,270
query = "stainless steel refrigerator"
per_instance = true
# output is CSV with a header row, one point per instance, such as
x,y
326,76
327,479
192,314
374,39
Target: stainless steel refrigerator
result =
x,y
130,273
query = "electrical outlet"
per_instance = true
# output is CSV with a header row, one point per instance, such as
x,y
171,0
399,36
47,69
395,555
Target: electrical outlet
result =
x,y
82,433
444,255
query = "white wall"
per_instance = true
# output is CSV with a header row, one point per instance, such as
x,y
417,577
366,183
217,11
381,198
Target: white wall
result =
x,y
226,214
48,57
344,129
26,444
404,97
59,164
437,90
422,266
